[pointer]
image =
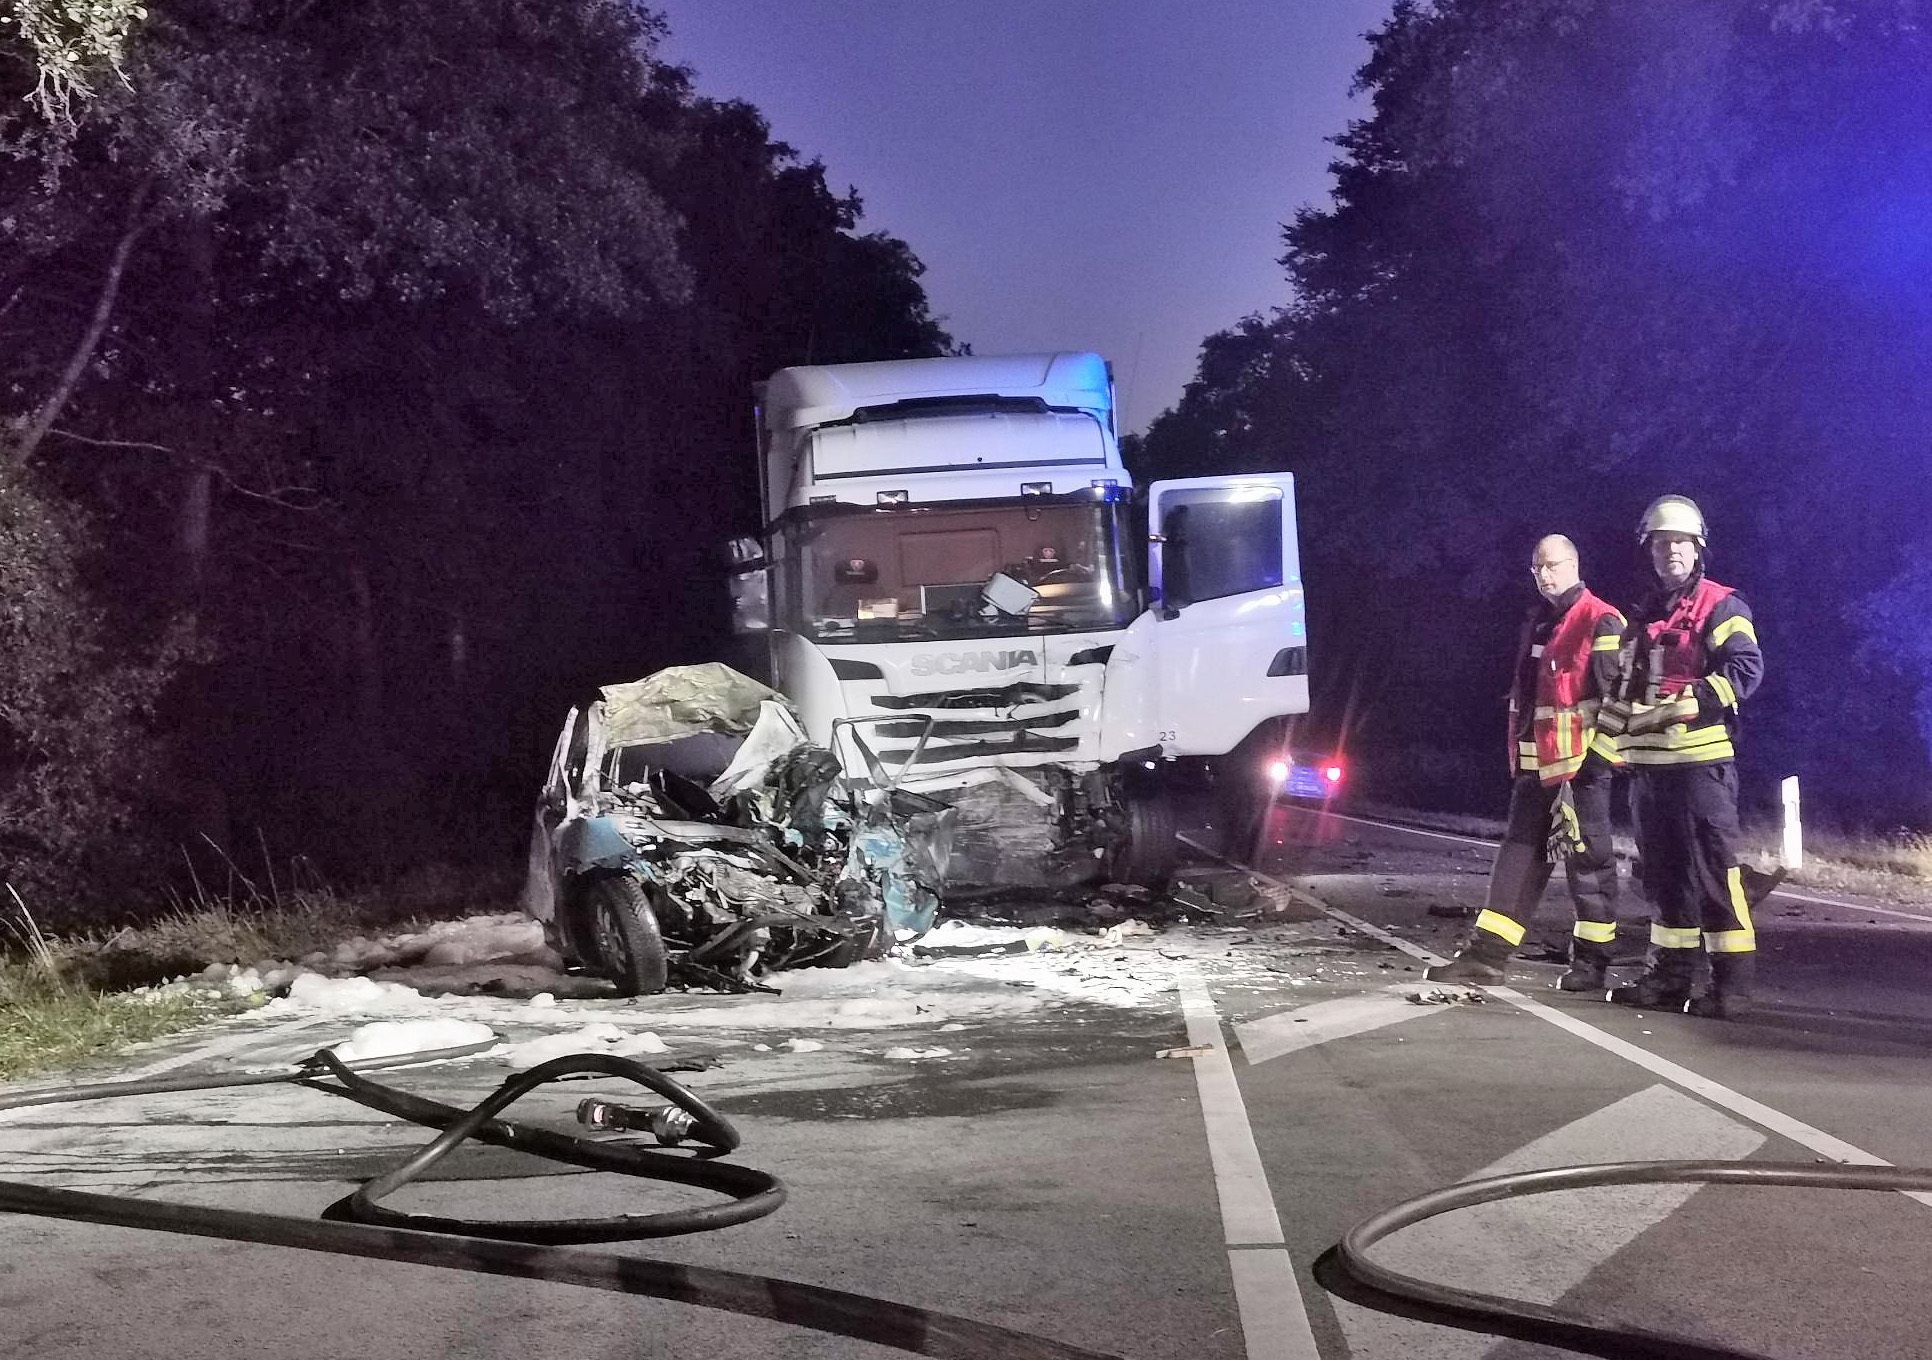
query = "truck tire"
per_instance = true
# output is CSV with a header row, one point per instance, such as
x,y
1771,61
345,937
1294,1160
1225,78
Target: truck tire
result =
x,y
622,930
1147,849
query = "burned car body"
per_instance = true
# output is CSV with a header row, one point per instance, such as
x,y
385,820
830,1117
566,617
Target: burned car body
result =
x,y
689,834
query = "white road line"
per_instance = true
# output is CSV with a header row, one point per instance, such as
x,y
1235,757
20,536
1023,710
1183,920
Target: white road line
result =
x,y
1374,932
1805,1135
1853,906
1306,1026
1787,893
1540,1247
1413,830
1274,1318
1247,1207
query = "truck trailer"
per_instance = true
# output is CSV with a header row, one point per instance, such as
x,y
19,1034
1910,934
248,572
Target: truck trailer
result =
x,y
957,570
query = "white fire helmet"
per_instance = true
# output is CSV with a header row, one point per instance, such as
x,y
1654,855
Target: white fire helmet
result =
x,y
1672,515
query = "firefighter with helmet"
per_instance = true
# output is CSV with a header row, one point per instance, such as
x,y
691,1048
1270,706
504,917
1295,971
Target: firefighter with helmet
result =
x,y
1690,662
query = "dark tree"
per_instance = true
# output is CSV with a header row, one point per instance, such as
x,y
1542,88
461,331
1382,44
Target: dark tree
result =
x,y
401,353
1578,255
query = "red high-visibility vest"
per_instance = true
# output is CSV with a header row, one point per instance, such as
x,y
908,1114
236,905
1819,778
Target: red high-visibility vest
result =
x,y
1675,655
1564,720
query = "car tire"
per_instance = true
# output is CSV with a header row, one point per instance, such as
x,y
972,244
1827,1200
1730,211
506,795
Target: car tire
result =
x,y
621,928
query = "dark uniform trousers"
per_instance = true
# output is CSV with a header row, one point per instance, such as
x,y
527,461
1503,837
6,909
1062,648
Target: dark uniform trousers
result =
x,y
1687,839
1523,868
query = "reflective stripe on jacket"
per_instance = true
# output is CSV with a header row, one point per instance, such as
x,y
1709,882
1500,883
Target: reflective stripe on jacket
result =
x,y
1704,645
1563,716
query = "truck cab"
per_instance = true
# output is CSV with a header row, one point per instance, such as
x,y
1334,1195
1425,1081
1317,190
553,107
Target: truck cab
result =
x,y
957,570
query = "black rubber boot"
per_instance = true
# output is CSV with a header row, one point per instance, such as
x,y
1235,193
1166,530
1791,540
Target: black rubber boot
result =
x,y
1665,985
1589,968
1729,998
1483,962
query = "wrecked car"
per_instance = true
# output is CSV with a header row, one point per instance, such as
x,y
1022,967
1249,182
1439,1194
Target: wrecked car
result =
x,y
690,835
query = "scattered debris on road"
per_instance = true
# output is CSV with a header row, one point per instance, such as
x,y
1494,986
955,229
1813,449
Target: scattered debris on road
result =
x,y
1448,996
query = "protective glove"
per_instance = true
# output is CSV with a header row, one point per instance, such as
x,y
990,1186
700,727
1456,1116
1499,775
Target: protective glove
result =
x,y
1566,832
1613,718
1655,719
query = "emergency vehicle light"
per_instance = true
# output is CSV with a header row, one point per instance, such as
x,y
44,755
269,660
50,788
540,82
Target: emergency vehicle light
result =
x,y
1036,488
893,498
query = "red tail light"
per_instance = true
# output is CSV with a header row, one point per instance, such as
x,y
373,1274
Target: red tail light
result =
x,y
1332,773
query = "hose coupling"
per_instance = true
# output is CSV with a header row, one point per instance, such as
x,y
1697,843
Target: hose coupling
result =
x,y
667,1123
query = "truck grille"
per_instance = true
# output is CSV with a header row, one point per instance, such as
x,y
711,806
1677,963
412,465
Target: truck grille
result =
x,y
1011,696
974,726
1031,722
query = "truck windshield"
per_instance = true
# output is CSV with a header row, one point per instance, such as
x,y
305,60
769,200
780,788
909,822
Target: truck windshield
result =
x,y
910,572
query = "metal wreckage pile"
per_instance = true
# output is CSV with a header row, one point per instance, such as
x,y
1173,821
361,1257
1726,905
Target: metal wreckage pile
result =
x,y
690,834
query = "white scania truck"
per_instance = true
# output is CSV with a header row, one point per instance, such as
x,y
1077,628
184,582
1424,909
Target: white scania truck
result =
x,y
954,555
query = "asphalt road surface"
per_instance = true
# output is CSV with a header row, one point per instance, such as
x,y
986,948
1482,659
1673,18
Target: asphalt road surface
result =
x,y
1024,1154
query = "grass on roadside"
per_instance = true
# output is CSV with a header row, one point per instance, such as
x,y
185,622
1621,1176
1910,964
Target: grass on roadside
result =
x,y
48,1021
65,1000
287,917
49,1024
1897,867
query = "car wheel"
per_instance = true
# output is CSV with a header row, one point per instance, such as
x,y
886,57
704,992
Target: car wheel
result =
x,y
624,933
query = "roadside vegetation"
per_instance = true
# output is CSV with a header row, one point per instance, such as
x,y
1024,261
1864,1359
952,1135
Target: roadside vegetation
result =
x,y
50,1019
1894,867
328,337
1579,255
72,998
50,1023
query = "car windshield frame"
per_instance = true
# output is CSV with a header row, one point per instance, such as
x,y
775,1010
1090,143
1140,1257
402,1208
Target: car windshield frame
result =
x,y
837,565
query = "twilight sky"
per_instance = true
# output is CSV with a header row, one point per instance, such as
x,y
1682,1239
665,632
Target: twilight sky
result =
x,y
1076,174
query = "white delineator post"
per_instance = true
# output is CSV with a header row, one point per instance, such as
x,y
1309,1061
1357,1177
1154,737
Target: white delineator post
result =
x,y
1791,852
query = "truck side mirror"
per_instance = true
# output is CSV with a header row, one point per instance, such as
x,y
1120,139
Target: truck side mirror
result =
x,y
1175,592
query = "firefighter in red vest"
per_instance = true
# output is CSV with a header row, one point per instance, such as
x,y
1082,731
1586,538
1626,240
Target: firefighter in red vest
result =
x,y
1693,659
1559,804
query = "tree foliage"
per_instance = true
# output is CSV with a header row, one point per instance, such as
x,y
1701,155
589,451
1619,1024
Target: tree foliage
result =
x,y
406,348
1580,254
64,48
78,759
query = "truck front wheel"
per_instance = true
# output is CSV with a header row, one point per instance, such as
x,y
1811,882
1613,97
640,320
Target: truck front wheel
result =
x,y
1145,848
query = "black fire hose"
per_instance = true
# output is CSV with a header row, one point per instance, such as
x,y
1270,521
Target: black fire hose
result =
x,y
358,1225
753,1194
1377,1286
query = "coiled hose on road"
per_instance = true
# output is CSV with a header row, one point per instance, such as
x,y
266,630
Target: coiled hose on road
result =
x,y
1349,1272
359,1224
